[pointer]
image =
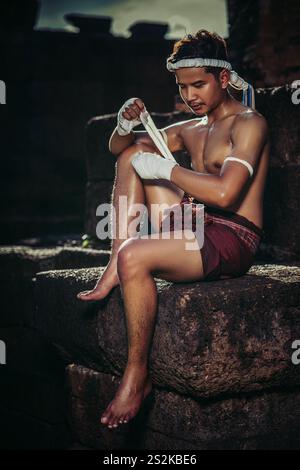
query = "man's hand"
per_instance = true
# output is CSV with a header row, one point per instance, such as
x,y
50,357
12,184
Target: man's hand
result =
x,y
152,166
129,115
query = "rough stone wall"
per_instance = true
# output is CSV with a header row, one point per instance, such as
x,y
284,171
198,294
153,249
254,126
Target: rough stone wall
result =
x,y
264,40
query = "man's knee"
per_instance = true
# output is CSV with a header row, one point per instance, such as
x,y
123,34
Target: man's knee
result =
x,y
128,153
127,257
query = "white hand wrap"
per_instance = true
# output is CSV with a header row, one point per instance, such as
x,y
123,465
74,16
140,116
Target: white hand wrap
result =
x,y
152,166
124,125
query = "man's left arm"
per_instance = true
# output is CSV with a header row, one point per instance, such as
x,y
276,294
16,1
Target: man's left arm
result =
x,y
248,137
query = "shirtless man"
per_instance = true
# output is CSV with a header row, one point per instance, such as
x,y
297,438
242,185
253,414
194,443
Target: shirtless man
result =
x,y
232,195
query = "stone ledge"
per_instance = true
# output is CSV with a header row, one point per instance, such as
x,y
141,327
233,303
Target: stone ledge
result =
x,y
18,267
211,338
263,420
26,261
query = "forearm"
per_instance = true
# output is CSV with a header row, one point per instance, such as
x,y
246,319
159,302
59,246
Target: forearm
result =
x,y
118,143
204,187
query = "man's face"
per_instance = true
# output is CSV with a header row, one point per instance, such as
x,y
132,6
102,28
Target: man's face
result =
x,y
199,90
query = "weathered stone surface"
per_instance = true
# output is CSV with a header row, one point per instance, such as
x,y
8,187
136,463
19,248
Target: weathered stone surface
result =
x,y
283,118
222,337
26,261
270,420
264,40
281,211
19,265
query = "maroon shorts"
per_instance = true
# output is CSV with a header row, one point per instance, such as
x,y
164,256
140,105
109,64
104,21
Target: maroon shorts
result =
x,y
230,242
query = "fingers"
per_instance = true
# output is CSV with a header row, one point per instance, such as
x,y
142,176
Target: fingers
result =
x,y
133,111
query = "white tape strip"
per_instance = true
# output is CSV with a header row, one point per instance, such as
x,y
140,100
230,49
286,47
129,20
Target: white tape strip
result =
x,y
155,135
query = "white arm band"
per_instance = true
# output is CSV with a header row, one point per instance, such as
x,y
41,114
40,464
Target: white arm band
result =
x,y
247,164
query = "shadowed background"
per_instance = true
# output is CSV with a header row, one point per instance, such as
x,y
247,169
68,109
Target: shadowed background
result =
x,y
62,65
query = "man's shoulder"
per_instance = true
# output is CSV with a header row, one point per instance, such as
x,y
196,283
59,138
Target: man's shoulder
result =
x,y
177,133
173,135
249,128
187,123
250,119
184,127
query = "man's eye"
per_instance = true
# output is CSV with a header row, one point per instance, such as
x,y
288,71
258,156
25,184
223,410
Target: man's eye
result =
x,y
195,86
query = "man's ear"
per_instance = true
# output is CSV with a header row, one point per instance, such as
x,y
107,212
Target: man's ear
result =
x,y
224,78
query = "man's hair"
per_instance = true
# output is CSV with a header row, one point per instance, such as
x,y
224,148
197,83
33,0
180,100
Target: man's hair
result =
x,y
202,44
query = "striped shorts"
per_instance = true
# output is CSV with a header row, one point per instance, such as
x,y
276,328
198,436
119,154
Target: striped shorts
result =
x,y
230,241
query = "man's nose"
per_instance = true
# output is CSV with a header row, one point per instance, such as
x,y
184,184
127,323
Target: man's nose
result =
x,y
190,95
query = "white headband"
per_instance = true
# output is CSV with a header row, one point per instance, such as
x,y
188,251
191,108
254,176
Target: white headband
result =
x,y
198,62
235,80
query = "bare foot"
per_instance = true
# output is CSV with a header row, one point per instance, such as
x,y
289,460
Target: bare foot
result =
x,y
107,281
134,388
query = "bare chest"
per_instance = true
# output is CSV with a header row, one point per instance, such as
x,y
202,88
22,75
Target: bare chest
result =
x,y
208,147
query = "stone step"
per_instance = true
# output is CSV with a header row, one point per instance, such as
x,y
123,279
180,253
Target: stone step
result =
x,y
19,265
211,338
266,420
32,381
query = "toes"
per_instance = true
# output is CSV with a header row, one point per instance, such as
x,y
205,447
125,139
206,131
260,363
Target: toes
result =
x,y
115,421
121,419
106,417
94,294
112,424
85,294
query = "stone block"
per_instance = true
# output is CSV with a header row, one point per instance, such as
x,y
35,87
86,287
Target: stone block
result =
x,y
18,267
269,420
211,338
